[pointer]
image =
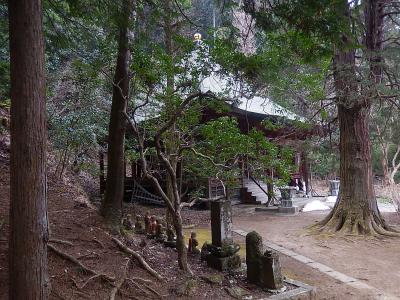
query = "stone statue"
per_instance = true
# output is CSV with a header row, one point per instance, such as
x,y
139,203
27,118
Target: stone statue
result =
x,y
151,233
159,231
127,222
139,226
193,243
171,237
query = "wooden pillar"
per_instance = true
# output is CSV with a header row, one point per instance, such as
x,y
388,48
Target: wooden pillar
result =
x,y
102,180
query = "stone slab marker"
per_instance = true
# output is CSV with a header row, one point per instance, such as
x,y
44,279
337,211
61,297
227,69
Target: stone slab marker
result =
x,y
334,186
271,275
221,222
254,248
262,269
287,194
222,253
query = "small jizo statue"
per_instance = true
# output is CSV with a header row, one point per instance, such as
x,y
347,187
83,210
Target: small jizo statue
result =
x,y
160,231
153,224
147,222
127,222
139,225
152,227
193,243
171,237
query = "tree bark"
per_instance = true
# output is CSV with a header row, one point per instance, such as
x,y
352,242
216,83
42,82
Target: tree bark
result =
x,y
356,210
111,208
28,277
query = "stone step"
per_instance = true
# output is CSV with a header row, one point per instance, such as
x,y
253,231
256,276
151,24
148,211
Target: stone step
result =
x,y
257,188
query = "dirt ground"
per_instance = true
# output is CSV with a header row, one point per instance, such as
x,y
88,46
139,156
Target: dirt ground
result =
x,y
76,221
371,260
374,261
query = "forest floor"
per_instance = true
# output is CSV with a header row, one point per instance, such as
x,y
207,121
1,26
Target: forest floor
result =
x,y
373,261
75,220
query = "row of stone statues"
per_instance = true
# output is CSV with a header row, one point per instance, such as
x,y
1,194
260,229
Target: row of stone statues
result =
x,y
154,228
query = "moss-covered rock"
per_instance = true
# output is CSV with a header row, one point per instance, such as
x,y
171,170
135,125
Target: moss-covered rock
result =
x,y
254,249
214,278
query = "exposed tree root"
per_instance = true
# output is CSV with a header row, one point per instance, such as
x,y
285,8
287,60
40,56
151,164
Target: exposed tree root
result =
x,y
88,280
143,290
124,278
136,255
139,287
120,282
87,255
366,223
98,242
57,241
78,263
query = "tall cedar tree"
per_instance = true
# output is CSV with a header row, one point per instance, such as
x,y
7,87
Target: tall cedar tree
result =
x,y
111,207
28,210
356,210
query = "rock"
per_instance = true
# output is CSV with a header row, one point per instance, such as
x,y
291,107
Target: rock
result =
x,y
226,250
254,248
205,251
188,288
271,275
214,279
237,292
263,269
224,263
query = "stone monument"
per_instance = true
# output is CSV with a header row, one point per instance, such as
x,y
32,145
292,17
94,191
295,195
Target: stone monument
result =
x,y
287,194
263,269
254,248
222,253
334,186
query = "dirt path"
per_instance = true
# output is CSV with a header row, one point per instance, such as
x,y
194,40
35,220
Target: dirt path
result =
x,y
374,262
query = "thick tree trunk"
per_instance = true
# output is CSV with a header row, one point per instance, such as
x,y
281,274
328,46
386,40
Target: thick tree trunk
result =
x,y
356,210
111,207
28,278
